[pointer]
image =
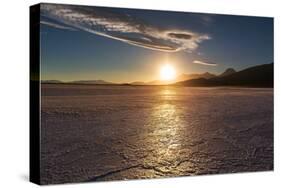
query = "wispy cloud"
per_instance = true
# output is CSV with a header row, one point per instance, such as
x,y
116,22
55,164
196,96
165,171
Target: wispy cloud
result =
x,y
207,20
205,63
123,27
57,26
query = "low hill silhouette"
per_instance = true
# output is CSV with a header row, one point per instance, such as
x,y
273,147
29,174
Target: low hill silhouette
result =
x,y
182,77
51,81
94,82
205,75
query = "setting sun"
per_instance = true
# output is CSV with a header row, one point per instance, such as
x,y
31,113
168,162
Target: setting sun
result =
x,y
167,72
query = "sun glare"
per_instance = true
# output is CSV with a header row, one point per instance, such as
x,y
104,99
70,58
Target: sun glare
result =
x,y
167,72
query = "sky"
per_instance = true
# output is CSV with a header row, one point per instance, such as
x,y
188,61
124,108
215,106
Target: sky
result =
x,y
127,45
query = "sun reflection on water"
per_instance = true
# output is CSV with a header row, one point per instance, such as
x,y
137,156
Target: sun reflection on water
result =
x,y
167,92
166,122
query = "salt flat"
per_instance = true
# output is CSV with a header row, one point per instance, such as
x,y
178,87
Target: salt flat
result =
x,y
95,133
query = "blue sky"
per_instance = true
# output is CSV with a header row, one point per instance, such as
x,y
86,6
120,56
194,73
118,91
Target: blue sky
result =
x,y
125,45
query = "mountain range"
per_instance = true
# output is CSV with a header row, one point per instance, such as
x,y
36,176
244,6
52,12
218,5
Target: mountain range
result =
x,y
94,82
101,82
256,76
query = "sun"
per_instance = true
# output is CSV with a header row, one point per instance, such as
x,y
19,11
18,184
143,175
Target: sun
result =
x,y
167,72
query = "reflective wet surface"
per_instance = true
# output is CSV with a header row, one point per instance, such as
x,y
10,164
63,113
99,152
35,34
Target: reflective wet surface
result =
x,y
95,133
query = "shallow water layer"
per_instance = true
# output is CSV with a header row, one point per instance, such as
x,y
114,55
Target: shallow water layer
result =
x,y
95,133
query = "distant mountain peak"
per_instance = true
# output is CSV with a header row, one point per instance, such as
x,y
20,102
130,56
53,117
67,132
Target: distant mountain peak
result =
x,y
230,70
227,72
207,73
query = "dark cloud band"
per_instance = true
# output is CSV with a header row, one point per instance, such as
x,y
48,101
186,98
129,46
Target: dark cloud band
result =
x,y
180,36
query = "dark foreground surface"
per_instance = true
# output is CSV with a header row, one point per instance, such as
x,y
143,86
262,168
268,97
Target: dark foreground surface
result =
x,y
96,133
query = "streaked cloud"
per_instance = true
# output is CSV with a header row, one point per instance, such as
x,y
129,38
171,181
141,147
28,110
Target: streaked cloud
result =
x,y
57,26
205,63
123,27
